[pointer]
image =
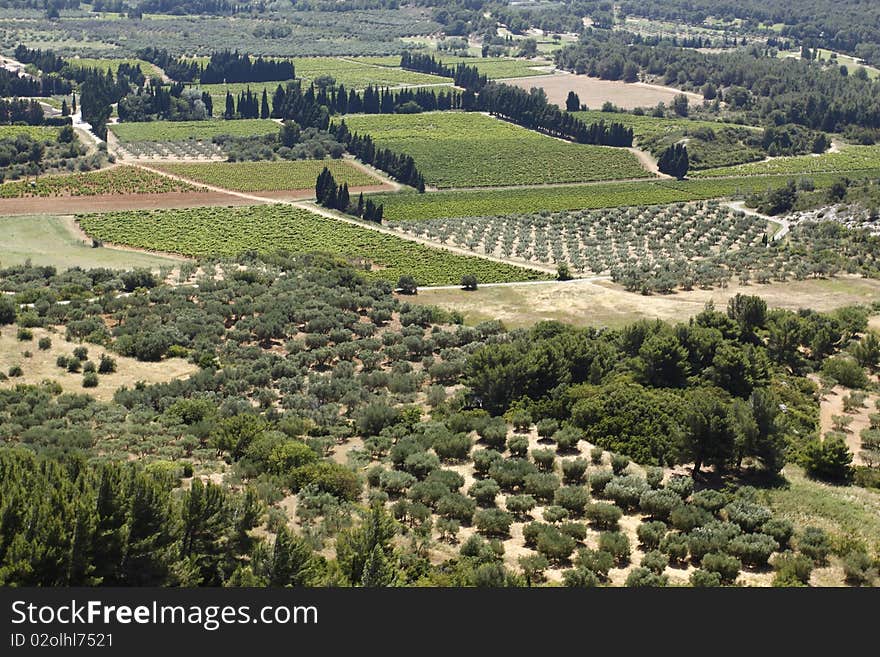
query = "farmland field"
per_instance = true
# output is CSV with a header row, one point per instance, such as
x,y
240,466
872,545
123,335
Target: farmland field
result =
x,y
501,68
49,241
593,92
358,74
158,131
599,241
229,231
651,126
849,158
118,180
35,131
147,68
270,176
457,149
473,203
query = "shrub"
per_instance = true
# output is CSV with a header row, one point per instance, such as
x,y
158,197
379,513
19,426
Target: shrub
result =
x,y
7,310
858,569
659,503
520,505
846,371
650,534
106,365
533,567
555,513
617,545
654,476
545,459
726,566
572,498
713,537
521,420
484,491
792,569
567,438
90,380
493,522
597,562
542,486
494,433
456,506
73,365
484,459
676,546
328,477
395,482
555,545
655,561
573,470
710,500
449,479
643,577
44,343
421,464
753,549
780,530
547,427
619,463
599,480
512,473
686,517
532,530
681,485
596,455
626,491
453,447
603,515
579,578
24,334
81,352
61,362
374,417
90,367
749,516
702,579
815,543
518,446
577,530
16,371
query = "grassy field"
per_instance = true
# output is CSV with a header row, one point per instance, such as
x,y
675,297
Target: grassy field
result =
x,y
846,512
40,365
184,130
270,176
605,304
849,158
36,131
436,205
118,180
267,228
357,73
49,240
499,68
103,64
458,149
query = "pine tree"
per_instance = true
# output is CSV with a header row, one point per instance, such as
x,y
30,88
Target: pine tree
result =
x,y
360,205
230,107
292,563
343,200
377,570
264,105
65,110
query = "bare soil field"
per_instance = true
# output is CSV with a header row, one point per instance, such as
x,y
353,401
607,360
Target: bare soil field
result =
x,y
68,204
594,92
832,404
591,303
41,365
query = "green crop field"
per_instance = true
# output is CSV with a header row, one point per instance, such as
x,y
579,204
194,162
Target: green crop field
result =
x,y
650,126
358,74
267,228
41,132
270,176
499,68
437,205
184,130
850,158
459,149
103,64
118,180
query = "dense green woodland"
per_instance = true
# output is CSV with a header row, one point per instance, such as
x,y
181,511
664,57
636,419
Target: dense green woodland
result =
x,y
299,354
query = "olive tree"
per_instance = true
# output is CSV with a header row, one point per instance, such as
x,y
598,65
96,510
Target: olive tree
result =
x,y
484,491
650,534
603,515
617,545
573,470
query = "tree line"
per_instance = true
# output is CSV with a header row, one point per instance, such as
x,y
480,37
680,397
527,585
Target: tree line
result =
x,y
336,197
229,66
400,166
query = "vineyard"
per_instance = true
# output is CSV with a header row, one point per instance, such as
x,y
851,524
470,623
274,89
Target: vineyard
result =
x,y
358,74
39,132
600,241
452,203
230,231
164,131
460,149
118,180
500,68
270,176
849,158
191,149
